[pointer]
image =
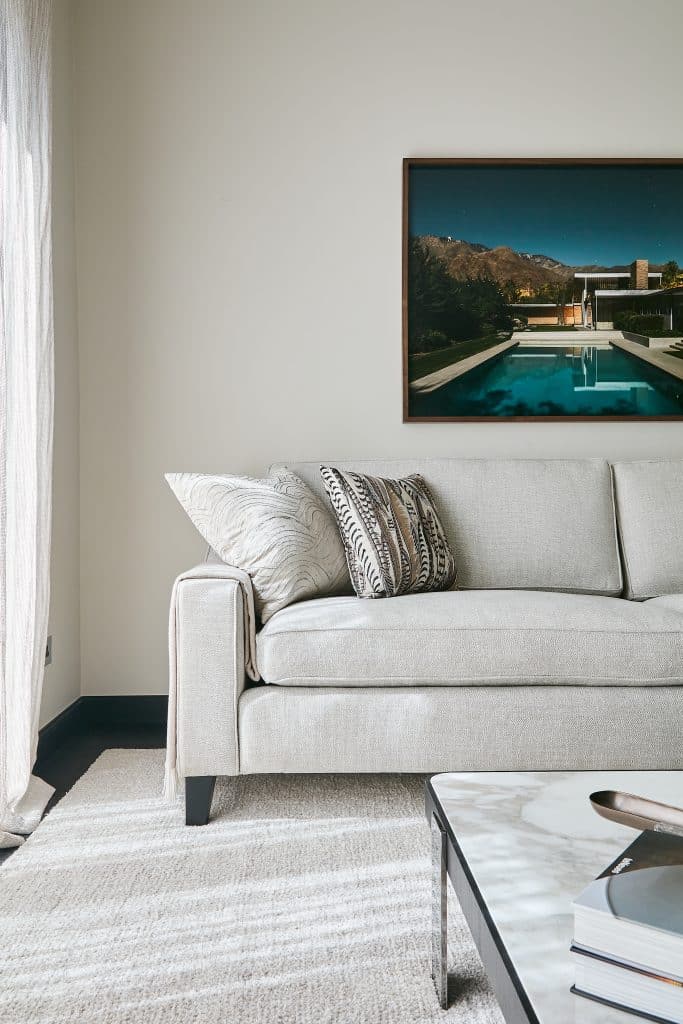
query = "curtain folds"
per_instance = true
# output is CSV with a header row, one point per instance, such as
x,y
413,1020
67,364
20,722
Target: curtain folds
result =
x,y
26,403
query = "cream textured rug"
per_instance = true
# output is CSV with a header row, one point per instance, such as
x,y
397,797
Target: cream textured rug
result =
x,y
306,902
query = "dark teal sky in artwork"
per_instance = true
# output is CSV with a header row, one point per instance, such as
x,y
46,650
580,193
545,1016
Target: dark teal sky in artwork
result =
x,y
601,215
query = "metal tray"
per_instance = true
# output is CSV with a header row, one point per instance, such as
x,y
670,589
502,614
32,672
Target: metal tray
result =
x,y
638,812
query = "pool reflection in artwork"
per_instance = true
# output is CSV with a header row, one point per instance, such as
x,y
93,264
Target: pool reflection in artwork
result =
x,y
560,381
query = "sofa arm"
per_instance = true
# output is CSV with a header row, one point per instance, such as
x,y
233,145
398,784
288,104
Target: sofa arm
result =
x,y
211,675
211,632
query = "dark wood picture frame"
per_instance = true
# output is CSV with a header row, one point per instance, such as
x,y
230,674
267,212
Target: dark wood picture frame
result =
x,y
416,162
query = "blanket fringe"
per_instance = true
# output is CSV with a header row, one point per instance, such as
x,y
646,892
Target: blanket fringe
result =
x,y
171,784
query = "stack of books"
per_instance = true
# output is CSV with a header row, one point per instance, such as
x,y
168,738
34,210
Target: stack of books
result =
x,y
628,931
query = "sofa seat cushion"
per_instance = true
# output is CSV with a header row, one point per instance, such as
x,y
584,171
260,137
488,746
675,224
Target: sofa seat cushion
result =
x,y
671,602
475,637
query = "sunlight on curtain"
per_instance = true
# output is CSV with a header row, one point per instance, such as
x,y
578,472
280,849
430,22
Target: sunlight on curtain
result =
x,y
26,403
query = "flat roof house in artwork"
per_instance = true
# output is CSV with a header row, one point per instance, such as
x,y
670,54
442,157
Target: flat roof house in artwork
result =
x,y
548,314
605,294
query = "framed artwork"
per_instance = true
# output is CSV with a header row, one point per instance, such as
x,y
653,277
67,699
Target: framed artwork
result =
x,y
542,289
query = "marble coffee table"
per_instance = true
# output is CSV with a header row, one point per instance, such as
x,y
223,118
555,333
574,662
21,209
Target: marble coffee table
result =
x,y
518,847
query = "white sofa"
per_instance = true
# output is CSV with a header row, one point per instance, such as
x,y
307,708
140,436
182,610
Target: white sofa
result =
x,y
562,647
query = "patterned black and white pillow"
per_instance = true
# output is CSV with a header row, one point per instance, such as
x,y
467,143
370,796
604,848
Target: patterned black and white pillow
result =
x,y
393,537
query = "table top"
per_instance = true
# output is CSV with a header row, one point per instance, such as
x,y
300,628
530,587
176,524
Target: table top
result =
x,y
532,842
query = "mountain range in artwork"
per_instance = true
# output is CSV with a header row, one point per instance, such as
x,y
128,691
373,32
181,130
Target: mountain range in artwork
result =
x,y
529,271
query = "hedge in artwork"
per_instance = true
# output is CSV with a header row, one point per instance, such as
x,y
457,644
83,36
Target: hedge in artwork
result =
x,y
443,310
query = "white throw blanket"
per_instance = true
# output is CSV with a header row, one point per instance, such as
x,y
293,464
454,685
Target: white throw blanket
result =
x,y
206,571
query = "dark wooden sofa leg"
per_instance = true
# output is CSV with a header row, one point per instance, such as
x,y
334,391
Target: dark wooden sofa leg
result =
x,y
198,794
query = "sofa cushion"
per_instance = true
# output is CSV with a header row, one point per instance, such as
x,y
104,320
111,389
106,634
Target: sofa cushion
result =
x,y
649,499
529,524
472,637
671,602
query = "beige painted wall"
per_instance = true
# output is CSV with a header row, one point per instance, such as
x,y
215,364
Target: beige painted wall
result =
x,y
238,224
62,678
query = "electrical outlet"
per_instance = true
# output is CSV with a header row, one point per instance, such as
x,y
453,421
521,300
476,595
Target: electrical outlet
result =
x,y
48,652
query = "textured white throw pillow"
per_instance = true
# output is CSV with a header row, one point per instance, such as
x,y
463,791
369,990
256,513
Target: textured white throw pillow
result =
x,y
276,530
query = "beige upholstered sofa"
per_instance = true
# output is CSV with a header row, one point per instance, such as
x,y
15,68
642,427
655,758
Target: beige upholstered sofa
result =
x,y
561,648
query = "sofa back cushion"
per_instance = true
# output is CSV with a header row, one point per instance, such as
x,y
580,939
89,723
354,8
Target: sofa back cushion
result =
x,y
528,524
649,499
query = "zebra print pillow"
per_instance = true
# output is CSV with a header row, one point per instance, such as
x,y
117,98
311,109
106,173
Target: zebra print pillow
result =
x,y
276,529
393,537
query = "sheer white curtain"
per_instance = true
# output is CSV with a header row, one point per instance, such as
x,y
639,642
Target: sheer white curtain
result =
x,y
26,403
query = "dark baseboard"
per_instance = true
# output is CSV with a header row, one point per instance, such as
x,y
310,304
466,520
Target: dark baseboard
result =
x,y
61,729
87,713
147,709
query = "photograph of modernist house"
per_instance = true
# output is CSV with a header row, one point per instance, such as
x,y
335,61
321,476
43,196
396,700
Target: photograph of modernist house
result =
x,y
543,289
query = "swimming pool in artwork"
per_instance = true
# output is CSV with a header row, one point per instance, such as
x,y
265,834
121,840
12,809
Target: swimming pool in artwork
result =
x,y
559,381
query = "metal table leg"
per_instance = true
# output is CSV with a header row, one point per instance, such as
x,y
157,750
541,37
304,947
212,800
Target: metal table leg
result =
x,y
439,911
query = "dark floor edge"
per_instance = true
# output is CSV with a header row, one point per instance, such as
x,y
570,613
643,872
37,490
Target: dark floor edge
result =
x,y
86,712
